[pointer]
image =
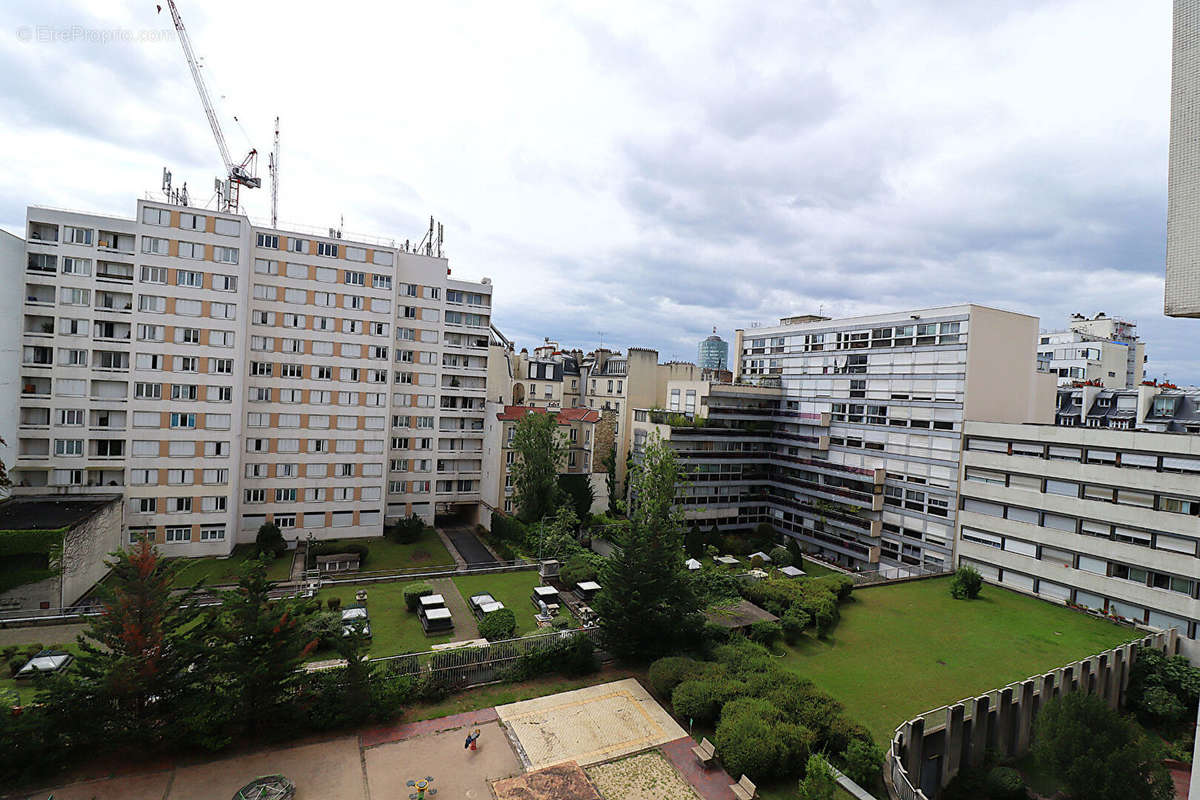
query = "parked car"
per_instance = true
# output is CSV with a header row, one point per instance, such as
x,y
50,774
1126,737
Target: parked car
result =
x,y
351,617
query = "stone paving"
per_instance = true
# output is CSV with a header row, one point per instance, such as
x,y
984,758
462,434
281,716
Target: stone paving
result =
x,y
518,742
465,626
589,725
641,776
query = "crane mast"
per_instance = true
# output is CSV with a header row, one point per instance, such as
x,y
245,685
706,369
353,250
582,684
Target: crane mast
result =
x,y
273,168
243,174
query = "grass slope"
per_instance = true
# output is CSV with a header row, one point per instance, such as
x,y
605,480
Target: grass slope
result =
x,y
220,571
906,648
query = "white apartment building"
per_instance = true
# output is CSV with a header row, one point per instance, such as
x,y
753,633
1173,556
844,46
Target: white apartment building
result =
x,y
223,374
12,271
1103,518
897,389
1182,295
1102,350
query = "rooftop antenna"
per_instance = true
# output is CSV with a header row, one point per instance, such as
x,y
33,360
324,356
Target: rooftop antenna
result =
x,y
273,168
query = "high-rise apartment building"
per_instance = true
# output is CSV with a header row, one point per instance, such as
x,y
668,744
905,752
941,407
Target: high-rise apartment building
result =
x,y
12,269
1182,296
1102,350
713,353
1101,510
882,393
222,374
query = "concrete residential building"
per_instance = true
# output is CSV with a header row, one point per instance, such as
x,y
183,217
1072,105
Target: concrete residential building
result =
x,y
1103,350
1182,295
222,374
12,270
581,433
713,353
896,389
1096,515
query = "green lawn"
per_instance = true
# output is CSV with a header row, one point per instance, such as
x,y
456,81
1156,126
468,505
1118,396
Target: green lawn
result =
x,y
428,551
511,588
394,629
218,571
25,687
814,569
906,648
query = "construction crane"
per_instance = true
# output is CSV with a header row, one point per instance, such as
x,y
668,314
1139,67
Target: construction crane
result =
x,y
243,174
273,168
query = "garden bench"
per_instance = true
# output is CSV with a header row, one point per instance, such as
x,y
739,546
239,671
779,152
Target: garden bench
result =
x,y
705,752
744,789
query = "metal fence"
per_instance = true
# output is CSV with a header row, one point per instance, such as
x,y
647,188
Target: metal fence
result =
x,y
460,667
886,574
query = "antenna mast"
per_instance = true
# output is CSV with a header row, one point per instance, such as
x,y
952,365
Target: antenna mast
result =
x,y
243,174
273,168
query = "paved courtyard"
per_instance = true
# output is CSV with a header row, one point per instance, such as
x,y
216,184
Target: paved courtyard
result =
x,y
517,743
589,725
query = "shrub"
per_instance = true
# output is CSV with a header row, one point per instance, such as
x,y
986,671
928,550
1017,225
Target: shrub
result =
x,y
414,593
579,568
780,556
825,614
1004,783
864,762
499,624
696,699
508,529
747,746
1161,704
572,655
966,584
408,530
766,632
334,603
269,541
667,673
841,585
819,782
794,621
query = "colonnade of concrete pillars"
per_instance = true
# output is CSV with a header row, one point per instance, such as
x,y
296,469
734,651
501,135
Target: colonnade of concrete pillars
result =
x,y
1007,725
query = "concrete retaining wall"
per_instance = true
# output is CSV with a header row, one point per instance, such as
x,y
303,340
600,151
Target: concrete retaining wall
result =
x,y
927,752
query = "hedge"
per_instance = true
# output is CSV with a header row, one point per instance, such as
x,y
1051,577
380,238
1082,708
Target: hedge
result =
x,y
414,593
15,543
499,624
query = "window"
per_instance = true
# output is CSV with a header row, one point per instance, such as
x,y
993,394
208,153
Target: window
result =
x,y
152,304
77,235
148,391
222,310
353,278
1065,488
268,240
76,266
225,255
266,267
68,447
224,283
327,249
227,227
192,250
154,246
156,216
183,420
178,534
213,533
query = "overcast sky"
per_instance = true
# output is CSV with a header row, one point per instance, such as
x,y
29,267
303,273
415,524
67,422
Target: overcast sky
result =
x,y
644,171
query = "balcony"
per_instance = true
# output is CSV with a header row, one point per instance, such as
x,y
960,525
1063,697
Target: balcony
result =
x,y
45,263
43,233
35,386
33,356
33,448
112,271
38,325
106,449
37,294
111,331
110,361
105,476
110,390
114,242
34,418
118,302
464,384
105,420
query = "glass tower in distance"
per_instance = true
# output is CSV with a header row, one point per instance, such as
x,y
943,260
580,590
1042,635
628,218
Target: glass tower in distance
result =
x,y
713,353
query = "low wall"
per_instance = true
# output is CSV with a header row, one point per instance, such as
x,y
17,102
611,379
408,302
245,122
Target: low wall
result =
x,y
927,752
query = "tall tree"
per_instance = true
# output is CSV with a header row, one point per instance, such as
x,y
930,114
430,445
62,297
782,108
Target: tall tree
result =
x,y
647,605
4,479
1098,754
260,646
610,481
540,450
133,672
577,489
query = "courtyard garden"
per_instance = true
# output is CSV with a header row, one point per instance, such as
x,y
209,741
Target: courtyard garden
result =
x,y
902,649
513,589
384,555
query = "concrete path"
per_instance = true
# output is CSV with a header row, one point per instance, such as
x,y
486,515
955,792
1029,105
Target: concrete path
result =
x,y
712,783
46,634
469,547
465,626
459,561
